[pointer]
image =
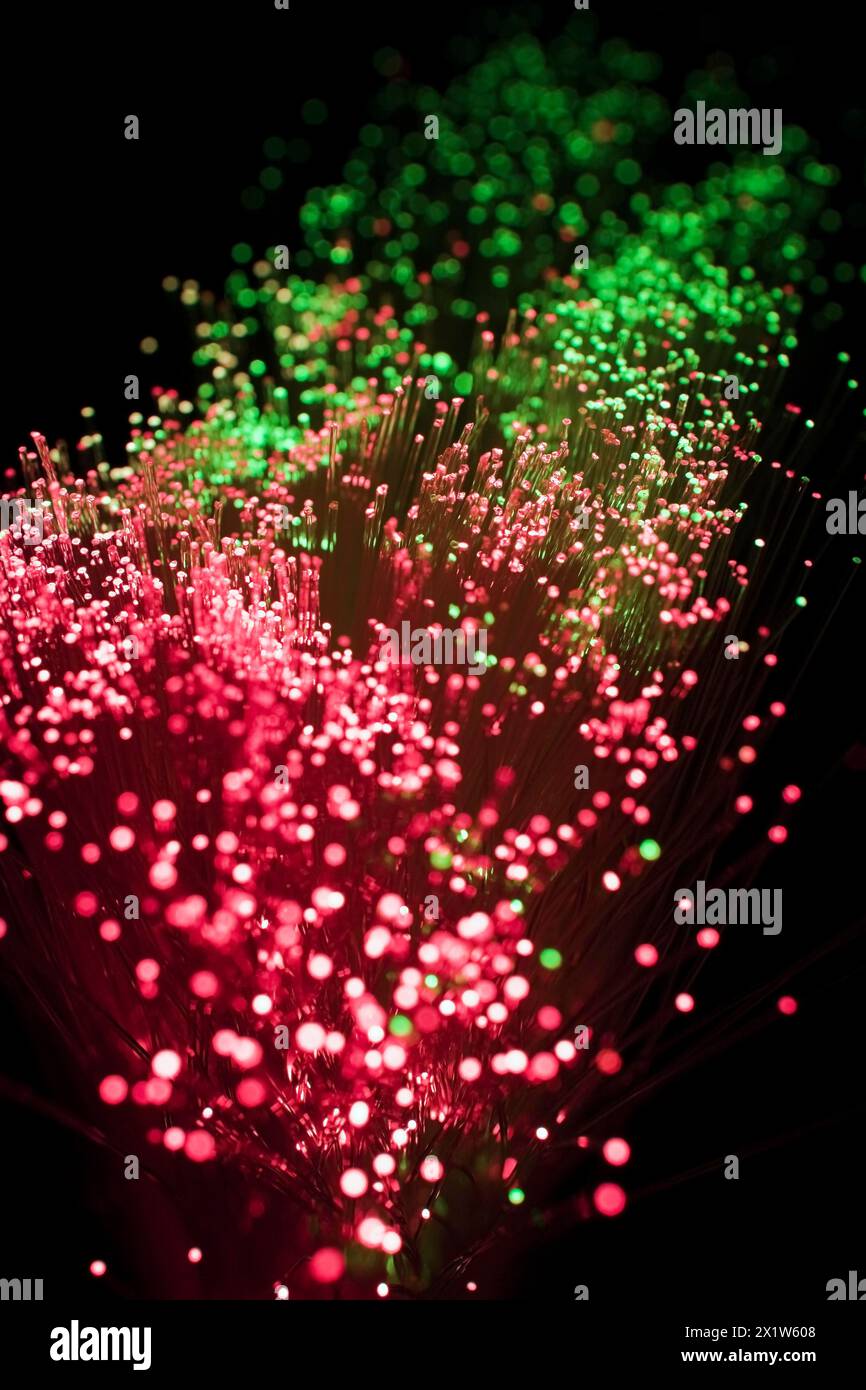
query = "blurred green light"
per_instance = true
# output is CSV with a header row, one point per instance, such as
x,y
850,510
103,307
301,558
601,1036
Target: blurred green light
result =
x,y
550,958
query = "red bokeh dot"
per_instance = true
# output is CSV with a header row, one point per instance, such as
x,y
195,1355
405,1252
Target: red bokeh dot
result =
x,y
199,1146
113,1089
166,1064
121,838
204,984
608,1061
251,1092
646,954
353,1182
327,1265
617,1152
609,1199
163,874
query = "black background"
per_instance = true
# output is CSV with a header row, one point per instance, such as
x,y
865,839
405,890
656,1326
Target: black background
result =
x,y
95,224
